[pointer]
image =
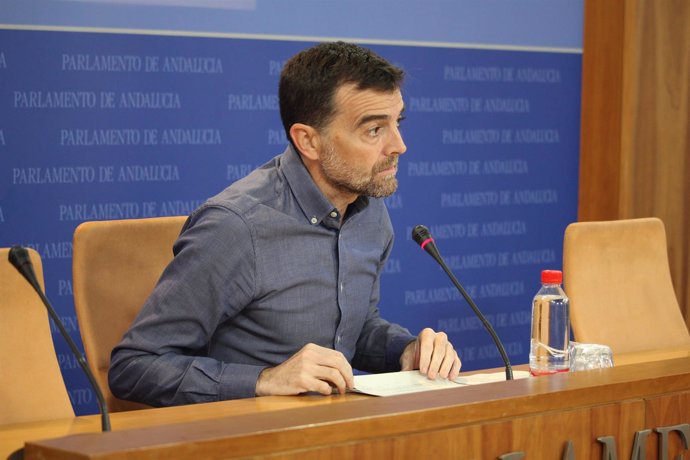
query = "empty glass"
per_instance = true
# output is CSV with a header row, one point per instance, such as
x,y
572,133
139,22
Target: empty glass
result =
x,y
586,356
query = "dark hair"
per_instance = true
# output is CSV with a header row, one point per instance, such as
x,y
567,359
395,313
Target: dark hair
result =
x,y
310,79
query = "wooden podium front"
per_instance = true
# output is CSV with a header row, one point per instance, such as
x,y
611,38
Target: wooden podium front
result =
x,y
608,413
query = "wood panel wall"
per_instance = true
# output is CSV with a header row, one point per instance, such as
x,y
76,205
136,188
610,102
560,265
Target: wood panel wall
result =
x,y
635,131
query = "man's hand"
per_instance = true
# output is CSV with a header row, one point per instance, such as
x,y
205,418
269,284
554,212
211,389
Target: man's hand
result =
x,y
433,355
313,368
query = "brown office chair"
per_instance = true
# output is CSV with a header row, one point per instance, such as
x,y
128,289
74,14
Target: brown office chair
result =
x,y
115,266
618,279
31,384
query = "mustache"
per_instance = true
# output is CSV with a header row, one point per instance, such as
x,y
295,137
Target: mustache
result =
x,y
393,162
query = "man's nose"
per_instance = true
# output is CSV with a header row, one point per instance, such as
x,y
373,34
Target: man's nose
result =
x,y
397,144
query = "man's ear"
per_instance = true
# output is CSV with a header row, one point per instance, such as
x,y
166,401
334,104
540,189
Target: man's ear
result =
x,y
307,140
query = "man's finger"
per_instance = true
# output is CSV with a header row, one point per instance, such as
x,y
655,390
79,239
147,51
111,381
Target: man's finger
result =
x,y
447,362
426,348
333,367
438,355
455,370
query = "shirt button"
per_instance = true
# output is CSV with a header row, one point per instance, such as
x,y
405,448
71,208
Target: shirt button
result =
x,y
334,214
314,220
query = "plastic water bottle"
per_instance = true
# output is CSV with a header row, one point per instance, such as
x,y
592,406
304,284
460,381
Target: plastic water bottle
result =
x,y
549,352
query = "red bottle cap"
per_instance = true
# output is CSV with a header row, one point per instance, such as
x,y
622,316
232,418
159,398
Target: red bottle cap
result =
x,y
551,277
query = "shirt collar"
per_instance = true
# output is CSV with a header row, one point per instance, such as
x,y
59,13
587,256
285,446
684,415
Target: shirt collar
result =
x,y
311,200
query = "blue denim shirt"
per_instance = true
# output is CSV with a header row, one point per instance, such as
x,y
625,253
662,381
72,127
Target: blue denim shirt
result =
x,y
260,270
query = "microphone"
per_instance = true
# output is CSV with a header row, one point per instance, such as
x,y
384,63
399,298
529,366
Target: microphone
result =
x,y
19,257
422,236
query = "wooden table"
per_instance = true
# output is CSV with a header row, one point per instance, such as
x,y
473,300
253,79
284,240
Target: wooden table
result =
x,y
536,418
13,437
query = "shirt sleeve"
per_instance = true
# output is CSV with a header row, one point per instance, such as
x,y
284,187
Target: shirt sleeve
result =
x,y
380,343
161,360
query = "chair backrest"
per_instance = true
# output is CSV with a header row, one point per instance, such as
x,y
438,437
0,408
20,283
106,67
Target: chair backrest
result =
x,y
115,266
31,384
618,279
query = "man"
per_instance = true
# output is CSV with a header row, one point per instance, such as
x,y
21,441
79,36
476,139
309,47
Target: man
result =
x,y
275,282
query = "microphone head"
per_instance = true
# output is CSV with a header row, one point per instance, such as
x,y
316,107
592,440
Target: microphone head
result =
x,y
18,256
420,234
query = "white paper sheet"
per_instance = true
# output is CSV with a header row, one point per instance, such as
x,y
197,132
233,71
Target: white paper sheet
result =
x,y
397,383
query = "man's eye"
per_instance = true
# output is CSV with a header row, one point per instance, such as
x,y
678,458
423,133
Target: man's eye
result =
x,y
374,131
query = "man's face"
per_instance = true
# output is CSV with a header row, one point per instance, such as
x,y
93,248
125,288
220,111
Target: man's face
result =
x,y
361,144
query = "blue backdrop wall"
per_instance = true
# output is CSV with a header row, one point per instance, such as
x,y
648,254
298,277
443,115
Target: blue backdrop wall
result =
x,y
122,109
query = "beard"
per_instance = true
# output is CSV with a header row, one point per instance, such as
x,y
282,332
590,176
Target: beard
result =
x,y
348,178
